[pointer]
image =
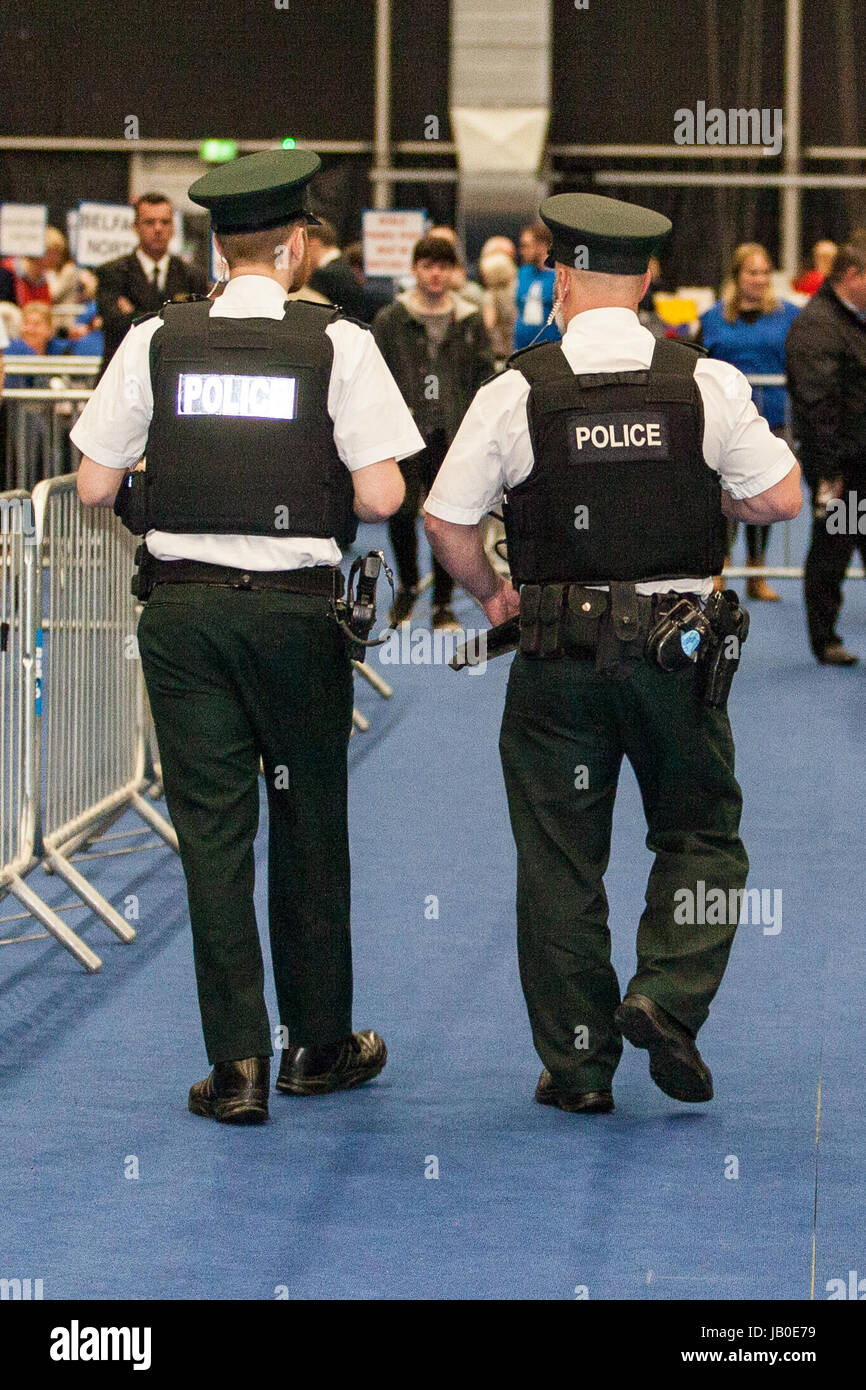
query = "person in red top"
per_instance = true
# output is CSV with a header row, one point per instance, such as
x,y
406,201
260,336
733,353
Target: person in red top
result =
x,y
28,280
822,255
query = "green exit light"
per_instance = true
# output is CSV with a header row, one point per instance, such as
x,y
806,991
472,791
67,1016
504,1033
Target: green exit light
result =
x,y
217,151
289,143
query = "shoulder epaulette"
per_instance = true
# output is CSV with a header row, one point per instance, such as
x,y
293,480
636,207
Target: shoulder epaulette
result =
x,y
521,352
695,347
142,318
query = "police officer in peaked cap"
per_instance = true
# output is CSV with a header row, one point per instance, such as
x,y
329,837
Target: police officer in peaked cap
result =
x,y
616,459
270,426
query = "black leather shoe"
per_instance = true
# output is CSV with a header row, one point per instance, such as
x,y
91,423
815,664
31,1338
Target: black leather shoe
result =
x,y
236,1093
575,1102
676,1066
314,1071
836,654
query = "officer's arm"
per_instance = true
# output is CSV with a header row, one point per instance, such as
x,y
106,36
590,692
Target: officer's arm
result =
x,y
379,490
781,502
98,485
461,550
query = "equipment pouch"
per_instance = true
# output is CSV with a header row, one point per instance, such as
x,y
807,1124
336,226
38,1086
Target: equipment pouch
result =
x,y
624,611
618,635
130,504
541,620
581,617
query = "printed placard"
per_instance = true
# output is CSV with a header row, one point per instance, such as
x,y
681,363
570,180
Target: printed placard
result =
x,y
22,229
389,238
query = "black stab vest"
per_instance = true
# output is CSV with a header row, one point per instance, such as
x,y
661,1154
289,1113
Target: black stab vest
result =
x,y
241,441
619,489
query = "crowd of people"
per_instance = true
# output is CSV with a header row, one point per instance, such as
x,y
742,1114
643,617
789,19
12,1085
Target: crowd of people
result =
x,y
442,333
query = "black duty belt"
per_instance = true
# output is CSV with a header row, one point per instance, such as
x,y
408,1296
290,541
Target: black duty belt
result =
x,y
325,580
572,620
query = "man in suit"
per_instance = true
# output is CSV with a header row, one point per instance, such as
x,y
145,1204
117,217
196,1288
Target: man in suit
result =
x,y
141,282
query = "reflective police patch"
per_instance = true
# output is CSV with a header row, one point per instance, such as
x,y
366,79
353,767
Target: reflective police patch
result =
x,y
627,435
253,397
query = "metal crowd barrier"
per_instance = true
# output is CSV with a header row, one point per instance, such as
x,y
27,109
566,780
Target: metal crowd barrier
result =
x,y
39,418
77,736
359,720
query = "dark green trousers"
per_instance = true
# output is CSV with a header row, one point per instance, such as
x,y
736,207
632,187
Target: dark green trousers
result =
x,y
233,676
564,734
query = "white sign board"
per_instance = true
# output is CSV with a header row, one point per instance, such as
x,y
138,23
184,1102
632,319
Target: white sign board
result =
x,y
388,241
105,231
22,229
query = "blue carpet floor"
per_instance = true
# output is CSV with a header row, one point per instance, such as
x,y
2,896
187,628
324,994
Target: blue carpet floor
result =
x,y
330,1200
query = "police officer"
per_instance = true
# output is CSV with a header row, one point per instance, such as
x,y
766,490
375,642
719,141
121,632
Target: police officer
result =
x,y
269,426
617,458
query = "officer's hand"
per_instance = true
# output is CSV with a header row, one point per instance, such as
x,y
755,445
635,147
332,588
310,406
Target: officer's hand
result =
x,y
504,604
125,305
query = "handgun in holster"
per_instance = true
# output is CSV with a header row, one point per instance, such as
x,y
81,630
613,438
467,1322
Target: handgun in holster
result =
x,y
141,583
729,628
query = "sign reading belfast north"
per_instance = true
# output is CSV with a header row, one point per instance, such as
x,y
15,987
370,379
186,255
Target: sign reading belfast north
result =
x,y
255,397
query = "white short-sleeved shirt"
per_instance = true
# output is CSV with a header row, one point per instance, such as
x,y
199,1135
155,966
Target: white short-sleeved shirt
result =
x,y
371,422
492,450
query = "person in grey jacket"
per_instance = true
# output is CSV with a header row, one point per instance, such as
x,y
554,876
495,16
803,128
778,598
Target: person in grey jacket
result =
x,y
437,348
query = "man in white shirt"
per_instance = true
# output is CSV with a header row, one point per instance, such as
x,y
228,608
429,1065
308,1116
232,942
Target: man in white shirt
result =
x,y
270,428
616,461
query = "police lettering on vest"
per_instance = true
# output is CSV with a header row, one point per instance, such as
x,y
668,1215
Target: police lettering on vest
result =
x,y
254,397
241,441
635,436
622,451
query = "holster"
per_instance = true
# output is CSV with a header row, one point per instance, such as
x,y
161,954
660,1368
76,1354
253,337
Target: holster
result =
x,y
729,626
142,581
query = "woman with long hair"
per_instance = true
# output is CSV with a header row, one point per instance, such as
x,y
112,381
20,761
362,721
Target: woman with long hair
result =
x,y
747,327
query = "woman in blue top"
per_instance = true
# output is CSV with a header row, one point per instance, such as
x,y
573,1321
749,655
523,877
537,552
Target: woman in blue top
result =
x,y
748,327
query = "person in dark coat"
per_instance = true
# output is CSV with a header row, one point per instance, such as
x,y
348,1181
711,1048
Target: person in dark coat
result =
x,y
826,364
437,347
333,277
